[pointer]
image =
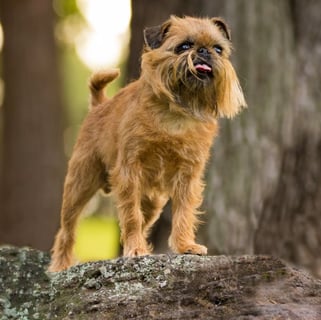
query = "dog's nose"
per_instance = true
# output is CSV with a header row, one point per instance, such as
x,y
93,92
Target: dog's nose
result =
x,y
203,51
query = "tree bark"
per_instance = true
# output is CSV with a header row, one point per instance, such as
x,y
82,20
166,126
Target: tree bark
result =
x,y
156,287
246,160
293,207
262,191
32,153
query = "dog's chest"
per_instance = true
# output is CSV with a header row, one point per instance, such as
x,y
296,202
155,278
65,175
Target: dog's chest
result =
x,y
164,160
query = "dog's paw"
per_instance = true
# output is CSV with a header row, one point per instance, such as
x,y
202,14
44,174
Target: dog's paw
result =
x,y
136,252
191,248
195,249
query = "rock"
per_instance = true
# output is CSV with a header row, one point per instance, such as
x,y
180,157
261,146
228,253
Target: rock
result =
x,y
156,287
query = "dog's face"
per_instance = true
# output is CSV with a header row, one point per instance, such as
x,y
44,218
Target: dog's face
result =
x,y
186,60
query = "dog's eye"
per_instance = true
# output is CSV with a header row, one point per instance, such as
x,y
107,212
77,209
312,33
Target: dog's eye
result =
x,y
218,49
184,47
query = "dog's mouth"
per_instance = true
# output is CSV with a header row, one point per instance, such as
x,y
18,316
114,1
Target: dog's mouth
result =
x,y
203,68
198,72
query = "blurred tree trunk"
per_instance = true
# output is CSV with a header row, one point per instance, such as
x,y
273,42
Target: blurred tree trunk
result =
x,y
32,153
293,207
263,190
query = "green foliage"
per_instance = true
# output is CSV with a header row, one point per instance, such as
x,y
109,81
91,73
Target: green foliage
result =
x,y
75,89
65,8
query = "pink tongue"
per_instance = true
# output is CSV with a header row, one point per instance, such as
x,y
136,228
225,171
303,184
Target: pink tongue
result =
x,y
203,68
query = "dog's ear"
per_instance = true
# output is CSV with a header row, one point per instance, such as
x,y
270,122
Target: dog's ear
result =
x,y
221,24
154,36
230,97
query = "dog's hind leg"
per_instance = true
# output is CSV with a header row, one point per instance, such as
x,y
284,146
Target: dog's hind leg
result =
x,y
84,178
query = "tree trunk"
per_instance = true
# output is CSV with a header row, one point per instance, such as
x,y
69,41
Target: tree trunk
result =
x,y
293,207
32,154
247,155
262,191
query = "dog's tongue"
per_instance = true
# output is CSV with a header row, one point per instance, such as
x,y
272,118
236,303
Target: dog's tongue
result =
x,y
203,67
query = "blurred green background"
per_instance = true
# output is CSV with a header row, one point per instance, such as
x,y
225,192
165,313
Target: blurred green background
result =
x,y
86,34
89,35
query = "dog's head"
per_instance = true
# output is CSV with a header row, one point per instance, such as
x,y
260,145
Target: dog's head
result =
x,y
186,60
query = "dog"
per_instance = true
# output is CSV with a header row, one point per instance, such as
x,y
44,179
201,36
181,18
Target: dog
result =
x,y
151,141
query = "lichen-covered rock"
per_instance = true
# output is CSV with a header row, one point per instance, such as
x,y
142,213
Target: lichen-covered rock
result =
x,y
24,286
156,287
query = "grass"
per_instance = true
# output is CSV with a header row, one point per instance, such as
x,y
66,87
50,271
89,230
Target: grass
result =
x,y
97,238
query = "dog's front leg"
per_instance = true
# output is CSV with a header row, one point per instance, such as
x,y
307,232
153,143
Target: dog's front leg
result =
x,y
127,190
187,197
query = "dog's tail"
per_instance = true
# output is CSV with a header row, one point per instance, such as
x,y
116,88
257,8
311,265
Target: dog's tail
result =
x,y
98,82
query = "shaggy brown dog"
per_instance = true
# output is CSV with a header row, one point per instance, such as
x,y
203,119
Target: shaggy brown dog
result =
x,y
152,140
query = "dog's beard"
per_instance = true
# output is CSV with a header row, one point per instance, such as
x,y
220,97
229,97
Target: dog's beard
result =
x,y
175,81
194,87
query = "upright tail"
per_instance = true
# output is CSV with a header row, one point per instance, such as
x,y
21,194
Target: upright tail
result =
x,y
97,83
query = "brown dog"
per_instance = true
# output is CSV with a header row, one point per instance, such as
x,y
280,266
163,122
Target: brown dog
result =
x,y
152,140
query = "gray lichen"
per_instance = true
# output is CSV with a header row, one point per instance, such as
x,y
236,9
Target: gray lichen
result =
x,y
23,284
155,287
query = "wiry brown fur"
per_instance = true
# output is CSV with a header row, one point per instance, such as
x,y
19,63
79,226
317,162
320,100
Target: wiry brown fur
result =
x,y
152,140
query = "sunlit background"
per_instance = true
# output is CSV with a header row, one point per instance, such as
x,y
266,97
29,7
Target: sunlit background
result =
x,y
103,38
98,34
91,34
